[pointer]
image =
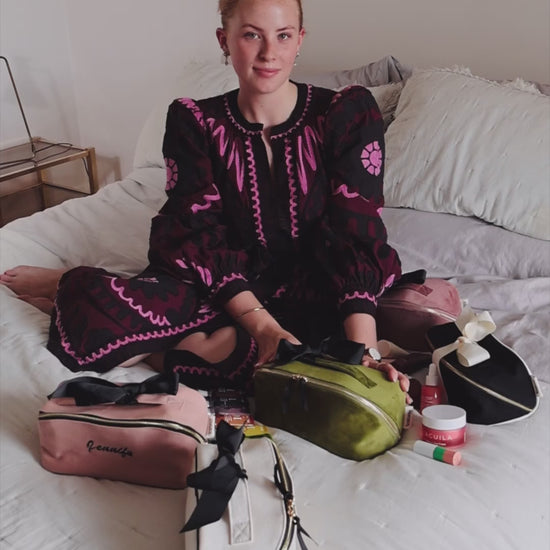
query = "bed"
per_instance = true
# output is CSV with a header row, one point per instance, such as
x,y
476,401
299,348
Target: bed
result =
x,y
467,200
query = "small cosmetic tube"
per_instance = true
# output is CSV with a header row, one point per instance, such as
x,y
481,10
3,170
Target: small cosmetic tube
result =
x,y
437,453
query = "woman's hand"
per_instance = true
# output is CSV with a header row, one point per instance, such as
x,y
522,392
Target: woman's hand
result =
x,y
361,327
268,342
248,311
267,332
391,373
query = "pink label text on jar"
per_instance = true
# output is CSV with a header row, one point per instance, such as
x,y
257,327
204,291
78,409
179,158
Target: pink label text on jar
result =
x,y
444,438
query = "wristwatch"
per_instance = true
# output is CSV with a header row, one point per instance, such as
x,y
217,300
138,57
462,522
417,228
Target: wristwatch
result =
x,y
373,353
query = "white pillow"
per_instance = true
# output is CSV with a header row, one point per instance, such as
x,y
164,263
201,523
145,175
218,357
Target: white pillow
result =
x,y
387,97
199,80
468,146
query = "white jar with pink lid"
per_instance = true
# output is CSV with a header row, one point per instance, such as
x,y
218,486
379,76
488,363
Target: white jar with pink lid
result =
x,y
444,425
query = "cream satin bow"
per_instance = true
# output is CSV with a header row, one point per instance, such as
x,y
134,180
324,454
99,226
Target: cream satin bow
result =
x,y
474,327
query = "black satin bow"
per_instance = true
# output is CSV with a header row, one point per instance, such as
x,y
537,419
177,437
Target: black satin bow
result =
x,y
342,350
217,481
89,390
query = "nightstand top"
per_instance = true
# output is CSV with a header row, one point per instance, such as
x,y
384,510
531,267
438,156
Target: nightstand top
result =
x,y
20,160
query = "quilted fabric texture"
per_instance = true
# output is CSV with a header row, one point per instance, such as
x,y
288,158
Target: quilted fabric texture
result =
x,y
464,145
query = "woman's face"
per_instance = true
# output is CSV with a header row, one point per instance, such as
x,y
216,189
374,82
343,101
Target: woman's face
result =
x,y
263,38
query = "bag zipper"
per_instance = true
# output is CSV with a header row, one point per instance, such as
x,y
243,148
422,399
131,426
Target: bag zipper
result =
x,y
389,421
495,394
141,423
290,510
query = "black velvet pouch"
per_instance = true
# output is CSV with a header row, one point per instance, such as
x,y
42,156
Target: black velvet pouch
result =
x,y
496,390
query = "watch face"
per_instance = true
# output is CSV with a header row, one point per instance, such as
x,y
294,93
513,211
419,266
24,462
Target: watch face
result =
x,y
374,353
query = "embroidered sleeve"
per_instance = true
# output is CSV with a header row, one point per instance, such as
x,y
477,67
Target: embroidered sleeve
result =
x,y
353,243
189,236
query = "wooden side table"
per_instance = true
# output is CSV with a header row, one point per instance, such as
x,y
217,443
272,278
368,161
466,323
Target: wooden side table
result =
x,y
19,161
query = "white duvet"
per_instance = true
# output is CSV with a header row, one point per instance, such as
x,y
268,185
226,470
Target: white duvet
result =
x,y
497,499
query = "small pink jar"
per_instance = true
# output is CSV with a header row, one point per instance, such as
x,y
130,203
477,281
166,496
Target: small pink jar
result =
x,y
444,425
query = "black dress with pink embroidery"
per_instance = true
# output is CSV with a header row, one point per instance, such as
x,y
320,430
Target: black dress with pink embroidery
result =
x,y
304,235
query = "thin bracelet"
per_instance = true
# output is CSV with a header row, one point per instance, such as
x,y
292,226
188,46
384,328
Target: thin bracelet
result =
x,y
249,311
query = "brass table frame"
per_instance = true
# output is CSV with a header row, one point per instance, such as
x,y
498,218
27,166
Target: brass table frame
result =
x,y
20,160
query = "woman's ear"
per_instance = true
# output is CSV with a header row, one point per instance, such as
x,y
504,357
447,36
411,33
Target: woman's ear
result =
x,y
301,35
222,38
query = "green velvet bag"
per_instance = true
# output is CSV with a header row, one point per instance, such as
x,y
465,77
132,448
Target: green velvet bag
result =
x,y
347,409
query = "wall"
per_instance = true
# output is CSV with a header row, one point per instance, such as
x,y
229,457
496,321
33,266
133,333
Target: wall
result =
x,y
123,50
90,72
497,39
34,38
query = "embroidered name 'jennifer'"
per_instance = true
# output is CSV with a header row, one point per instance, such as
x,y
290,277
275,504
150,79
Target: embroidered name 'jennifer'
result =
x,y
122,451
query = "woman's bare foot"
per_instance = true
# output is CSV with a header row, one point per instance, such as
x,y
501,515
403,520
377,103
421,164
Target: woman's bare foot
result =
x,y
31,281
43,304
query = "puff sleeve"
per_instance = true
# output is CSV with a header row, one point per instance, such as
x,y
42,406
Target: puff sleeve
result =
x,y
190,236
352,244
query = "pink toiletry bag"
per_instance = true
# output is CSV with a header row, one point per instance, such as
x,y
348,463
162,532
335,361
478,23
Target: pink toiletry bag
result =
x,y
139,433
406,311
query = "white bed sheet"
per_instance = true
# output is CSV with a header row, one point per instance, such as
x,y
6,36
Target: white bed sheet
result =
x,y
497,499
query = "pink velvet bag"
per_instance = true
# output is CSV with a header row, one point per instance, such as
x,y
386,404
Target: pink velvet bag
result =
x,y
406,312
144,433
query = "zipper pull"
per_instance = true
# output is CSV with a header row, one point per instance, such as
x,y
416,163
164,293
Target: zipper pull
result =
x,y
283,483
303,393
290,507
302,382
300,532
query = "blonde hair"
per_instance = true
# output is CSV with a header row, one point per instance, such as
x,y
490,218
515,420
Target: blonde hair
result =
x,y
228,7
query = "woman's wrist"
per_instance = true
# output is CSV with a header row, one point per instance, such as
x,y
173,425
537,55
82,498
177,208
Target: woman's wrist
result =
x,y
251,310
242,304
258,322
361,328
251,314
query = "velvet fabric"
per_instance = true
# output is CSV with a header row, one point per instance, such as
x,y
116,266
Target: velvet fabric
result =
x,y
407,311
349,410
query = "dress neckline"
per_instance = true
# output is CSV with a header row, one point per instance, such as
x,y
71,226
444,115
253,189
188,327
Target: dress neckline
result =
x,y
257,127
